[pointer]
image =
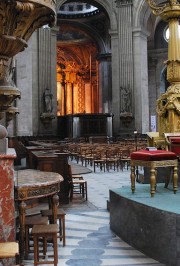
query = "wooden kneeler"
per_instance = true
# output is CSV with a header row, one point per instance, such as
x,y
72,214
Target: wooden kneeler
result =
x,y
9,250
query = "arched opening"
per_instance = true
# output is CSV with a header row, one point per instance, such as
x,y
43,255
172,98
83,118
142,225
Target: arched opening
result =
x,y
83,49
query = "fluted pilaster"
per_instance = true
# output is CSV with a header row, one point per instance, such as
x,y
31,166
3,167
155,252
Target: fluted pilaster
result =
x,y
44,58
125,43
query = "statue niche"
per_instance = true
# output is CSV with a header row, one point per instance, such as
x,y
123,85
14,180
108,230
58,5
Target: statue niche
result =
x,y
125,106
47,115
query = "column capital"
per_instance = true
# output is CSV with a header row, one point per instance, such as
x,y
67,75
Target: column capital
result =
x,y
120,3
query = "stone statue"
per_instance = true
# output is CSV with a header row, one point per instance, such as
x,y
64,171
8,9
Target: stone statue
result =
x,y
125,100
48,100
12,73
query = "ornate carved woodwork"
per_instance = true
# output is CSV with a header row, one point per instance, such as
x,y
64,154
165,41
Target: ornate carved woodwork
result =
x,y
18,20
10,113
76,67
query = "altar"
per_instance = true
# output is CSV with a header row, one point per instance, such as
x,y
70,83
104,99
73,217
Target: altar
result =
x,y
85,125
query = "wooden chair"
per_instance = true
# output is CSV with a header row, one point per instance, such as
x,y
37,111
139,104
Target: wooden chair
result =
x,y
125,158
89,156
9,250
30,221
112,159
77,185
61,217
99,159
48,231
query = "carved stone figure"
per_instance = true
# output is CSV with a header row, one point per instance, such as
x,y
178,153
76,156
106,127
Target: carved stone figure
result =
x,y
125,100
48,100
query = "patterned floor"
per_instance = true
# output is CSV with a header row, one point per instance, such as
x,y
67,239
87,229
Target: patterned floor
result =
x,y
89,240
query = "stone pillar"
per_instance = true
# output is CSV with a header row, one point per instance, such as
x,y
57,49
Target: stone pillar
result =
x,y
105,81
115,79
125,43
7,206
47,73
153,80
125,59
141,96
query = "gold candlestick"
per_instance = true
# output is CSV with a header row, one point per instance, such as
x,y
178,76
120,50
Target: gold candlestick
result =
x,y
168,105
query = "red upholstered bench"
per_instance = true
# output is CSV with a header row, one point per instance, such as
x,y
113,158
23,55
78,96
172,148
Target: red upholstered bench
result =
x,y
175,145
154,159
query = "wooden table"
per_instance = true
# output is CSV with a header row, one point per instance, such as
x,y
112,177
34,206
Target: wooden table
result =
x,y
33,184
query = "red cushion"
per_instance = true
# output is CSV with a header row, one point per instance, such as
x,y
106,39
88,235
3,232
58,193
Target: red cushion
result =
x,y
175,149
158,155
174,139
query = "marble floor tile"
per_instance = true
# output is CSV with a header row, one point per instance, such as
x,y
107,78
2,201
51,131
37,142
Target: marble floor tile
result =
x,y
89,240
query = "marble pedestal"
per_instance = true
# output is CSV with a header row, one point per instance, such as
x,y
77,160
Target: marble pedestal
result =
x,y
151,225
7,207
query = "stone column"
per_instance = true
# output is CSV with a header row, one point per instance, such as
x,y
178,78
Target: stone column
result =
x,y
125,43
47,73
105,81
115,79
141,96
125,59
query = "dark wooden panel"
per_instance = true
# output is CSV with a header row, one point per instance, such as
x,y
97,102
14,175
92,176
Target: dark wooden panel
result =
x,y
54,163
85,125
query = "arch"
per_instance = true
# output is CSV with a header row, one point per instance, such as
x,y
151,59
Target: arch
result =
x,y
108,7
142,13
92,33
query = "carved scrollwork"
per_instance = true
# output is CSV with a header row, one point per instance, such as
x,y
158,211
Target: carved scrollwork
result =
x,y
165,10
173,89
24,7
18,20
36,192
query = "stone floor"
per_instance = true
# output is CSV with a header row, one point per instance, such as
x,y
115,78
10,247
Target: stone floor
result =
x,y
89,240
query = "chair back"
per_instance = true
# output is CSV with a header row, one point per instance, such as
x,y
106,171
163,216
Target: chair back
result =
x,y
70,180
55,205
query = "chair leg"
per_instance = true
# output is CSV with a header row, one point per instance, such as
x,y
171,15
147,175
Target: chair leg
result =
x,y
36,252
62,230
82,187
26,242
55,251
44,246
63,227
86,189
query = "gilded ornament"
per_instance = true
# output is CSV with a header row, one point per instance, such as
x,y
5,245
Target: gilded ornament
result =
x,y
168,104
18,20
